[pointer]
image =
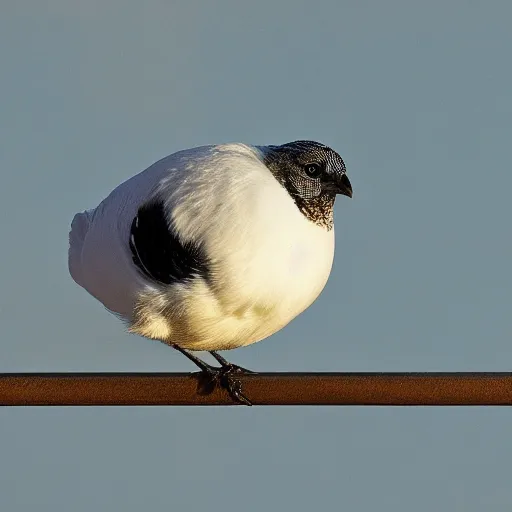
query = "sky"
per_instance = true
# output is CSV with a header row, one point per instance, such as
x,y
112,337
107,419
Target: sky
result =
x,y
416,97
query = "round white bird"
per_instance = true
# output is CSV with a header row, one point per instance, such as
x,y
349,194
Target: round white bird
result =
x,y
215,247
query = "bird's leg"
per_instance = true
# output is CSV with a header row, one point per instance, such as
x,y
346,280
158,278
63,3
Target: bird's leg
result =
x,y
226,364
223,375
205,367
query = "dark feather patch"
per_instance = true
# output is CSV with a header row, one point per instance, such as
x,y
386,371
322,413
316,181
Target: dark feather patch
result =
x,y
159,253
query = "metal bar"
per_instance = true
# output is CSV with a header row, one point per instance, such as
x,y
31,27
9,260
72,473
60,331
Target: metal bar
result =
x,y
24,389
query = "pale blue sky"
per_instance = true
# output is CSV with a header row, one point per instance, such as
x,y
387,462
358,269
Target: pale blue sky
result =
x,y
416,96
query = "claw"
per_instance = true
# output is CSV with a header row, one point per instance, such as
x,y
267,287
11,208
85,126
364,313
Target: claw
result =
x,y
232,384
225,377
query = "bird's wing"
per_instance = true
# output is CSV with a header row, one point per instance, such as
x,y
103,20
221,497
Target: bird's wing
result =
x,y
206,195
99,257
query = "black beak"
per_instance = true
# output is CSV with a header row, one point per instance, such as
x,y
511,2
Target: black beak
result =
x,y
343,186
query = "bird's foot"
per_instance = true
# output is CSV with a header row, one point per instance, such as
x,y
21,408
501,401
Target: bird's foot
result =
x,y
234,368
232,384
225,376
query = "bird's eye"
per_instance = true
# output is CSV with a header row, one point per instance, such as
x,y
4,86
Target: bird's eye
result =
x,y
313,170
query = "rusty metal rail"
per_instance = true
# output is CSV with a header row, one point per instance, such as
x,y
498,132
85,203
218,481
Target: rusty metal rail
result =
x,y
29,389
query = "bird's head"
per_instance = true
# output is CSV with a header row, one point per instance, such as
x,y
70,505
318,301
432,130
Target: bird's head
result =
x,y
312,173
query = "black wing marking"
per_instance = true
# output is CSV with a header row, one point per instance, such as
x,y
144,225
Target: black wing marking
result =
x,y
158,251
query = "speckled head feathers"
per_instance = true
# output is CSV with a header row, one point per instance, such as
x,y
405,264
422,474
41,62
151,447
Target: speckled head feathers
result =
x,y
312,173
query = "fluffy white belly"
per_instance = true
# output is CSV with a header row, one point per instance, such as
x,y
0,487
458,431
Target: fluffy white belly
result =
x,y
247,302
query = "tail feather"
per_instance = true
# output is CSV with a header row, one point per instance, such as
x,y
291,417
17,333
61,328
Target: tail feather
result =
x,y
79,228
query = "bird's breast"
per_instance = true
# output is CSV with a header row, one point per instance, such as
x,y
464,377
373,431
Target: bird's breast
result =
x,y
278,264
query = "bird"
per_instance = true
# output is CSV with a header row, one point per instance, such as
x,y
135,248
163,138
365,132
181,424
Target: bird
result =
x,y
215,247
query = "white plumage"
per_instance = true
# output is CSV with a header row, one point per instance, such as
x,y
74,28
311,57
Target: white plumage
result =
x,y
267,260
